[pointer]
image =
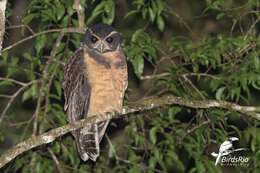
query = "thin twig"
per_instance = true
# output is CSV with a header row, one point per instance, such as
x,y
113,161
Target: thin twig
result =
x,y
20,123
251,28
128,161
80,12
189,131
5,96
21,26
64,30
13,81
12,98
56,161
193,129
188,81
182,21
149,77
38,106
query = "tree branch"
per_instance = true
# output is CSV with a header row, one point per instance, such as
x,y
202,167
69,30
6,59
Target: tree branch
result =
x,y
2,22
146,104
80,12
160,75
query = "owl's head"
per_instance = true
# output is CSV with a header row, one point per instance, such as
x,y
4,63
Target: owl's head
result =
x,y
102,38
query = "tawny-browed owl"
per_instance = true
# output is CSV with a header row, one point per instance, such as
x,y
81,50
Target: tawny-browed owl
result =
x,y
94,83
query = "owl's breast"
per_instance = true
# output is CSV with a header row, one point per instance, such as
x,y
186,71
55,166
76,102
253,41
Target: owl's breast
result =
x,y
107,87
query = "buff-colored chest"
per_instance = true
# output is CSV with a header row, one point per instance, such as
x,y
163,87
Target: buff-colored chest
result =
x,y
107,86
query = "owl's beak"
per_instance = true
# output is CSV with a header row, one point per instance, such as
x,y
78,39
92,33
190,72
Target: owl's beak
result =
x,y
101,47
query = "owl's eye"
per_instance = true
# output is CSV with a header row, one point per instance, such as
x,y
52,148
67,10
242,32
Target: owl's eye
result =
x,y
109,39
93,39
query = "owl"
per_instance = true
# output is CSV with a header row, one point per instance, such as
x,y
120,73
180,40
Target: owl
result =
x,y
95,80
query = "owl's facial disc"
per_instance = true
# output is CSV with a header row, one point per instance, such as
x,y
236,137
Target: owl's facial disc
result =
x,y
106,44
102,38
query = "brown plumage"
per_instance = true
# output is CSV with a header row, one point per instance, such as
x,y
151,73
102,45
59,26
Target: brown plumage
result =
x,y
94,83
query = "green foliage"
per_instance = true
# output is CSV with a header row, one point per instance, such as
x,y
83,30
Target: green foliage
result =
x,y
141,47
222,64
234,64
105,9
50,11
153,10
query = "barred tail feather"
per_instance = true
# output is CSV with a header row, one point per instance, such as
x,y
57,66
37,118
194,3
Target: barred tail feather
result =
x,y
102,129
88,139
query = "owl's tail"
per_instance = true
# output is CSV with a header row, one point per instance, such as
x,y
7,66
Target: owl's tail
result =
x,y
88,139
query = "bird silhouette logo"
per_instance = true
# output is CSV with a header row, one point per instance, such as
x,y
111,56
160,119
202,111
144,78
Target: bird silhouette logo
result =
x,y
226,148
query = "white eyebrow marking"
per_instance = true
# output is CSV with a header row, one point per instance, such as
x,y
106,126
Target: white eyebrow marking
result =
x,y
111,33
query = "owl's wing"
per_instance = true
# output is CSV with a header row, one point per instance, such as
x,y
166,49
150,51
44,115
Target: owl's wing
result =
x,y
76,87
77,95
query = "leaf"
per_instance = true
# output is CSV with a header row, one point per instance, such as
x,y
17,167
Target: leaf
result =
x,y
130,13
256,60
151,14
60,11
160,6
30,93
96,12
174,110
136,34
220,16
144,13
152,162
109,15
153,133
138,63
135,169
256,85
200,167
40,42
28,18
27,56
48,15
4,56
68,5
220,92
58,87
176,161
12,69
6,83
160,23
